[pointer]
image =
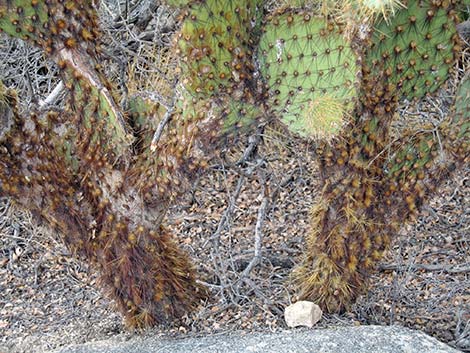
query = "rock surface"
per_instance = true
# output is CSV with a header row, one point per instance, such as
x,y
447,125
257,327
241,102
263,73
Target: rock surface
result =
x,y
302,313
359,339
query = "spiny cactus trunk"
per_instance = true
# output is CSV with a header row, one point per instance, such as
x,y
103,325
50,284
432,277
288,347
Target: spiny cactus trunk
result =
x,y
350,229
102,182
373,184
77,169
372,187
100,215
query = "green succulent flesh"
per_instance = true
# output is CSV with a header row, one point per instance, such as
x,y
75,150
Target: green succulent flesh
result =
x,y
240,116
215,44
52,25
21,19
234,116
415,48
308,64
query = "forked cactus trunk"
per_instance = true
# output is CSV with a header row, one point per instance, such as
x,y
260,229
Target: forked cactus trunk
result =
x,y
77,169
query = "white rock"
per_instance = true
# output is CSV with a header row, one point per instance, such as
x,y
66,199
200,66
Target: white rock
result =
x,y
302,313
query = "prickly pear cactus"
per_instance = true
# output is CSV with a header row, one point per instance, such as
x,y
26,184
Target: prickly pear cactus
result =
x,y
356,217
415,48
423,161
52,25
350,228
104,178
310,70
216,44
78,168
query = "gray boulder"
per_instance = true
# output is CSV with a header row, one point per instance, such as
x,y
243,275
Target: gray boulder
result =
x,y
359,339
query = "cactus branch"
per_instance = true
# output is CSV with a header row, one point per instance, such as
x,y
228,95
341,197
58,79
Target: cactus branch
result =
x,y
368,196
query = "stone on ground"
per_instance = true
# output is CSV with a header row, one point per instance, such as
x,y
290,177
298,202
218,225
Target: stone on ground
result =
x,y
302,313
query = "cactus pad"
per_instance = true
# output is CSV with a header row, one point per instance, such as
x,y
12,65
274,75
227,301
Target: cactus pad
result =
x,y
241,116
216,45
306,60
52,25
415,48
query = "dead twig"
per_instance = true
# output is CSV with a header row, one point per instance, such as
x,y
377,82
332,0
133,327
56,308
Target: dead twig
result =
x,y
163,123
425,267
258,232
226,215
464,31
53,96
247,154
253,141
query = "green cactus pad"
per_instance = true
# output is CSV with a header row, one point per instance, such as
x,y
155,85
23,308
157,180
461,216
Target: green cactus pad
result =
x,y
23,20
52,24
240,116
308,66
415,49
424,157
215,43
144,116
